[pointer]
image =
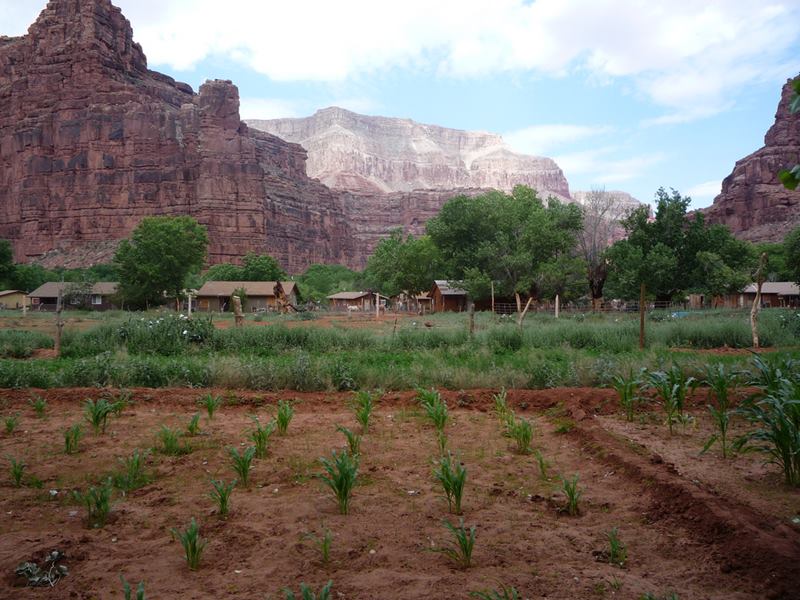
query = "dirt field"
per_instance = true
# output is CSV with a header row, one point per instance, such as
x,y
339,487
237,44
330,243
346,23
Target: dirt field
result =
x,y
700,526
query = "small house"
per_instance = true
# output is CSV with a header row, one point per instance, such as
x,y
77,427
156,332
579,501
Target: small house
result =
x,y
355,301
447,296
774,294
260,296
95,296
12,299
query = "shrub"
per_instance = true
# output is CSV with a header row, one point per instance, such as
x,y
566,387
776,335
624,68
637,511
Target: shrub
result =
x,y
341,475
211,404
96,412
522,433
284,416
460,549
306,593
241,463
39,406
127,591
221,494
11,422
617,552
17,471
342,376
452,476
720,382
193,544
260,436
166,335
504,593
193,428
363,404
133,474
353,440
98,503
573,495
72,436
21,344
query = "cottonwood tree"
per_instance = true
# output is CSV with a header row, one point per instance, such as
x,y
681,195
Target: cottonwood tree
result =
x,y
403,265
791,246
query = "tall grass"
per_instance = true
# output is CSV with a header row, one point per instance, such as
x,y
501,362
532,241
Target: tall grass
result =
x,y
22,344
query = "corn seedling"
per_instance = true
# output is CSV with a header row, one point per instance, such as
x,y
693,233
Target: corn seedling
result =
x,y
573,494
672,387
501,405
651,596
96,412
120,401
522,434
452,475
241,463
221,494
72,436
441,441
17,471
324,543
211,404
627,389
720,382
97,501
362,406
170,442
460,549
133,475
11,422
193,544
353,440
284,416
504,593
435,408
543,465
260,436
617,552
341,475
306,593
193,428
39,406
127,592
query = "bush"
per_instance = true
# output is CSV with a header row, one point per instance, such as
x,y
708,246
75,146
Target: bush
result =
x,y
21,344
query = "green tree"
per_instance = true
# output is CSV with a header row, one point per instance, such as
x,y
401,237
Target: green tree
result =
x,y
261,267
224,272
778,267
320,281
6,262
403,265
791,177
792,249
158,258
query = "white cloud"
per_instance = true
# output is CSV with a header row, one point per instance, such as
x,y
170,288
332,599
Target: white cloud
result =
x,y
542,139
688,57
267,108
706,190
603,166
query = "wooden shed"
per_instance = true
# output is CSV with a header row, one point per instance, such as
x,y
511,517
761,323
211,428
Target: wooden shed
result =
x,y
97,296
215,296
355,301
448,296
13,299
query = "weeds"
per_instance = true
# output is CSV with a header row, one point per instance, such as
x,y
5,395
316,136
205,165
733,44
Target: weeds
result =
x,y
617,552
221,494
11,422
72,436
211,403
133,474
573,494
284,416
96,412
17,471
521,431
460,549
193,544
170,442
501,408
720,382
193,428
241,463
363,404
260,436
627,389
306,593
97,501
504,593
127,591
341,475
353,440
452,475
39,406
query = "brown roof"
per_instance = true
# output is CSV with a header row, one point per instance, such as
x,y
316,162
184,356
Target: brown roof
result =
x,y
51,289
9,292
782,288
348,295
253,288
449,288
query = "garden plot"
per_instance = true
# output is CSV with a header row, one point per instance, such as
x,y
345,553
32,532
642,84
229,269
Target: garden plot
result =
x,y
696,526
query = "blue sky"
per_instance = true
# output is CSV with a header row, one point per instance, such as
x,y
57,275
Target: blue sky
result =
x,y
623,94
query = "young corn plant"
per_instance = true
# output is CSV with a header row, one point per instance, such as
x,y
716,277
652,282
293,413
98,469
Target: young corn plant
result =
x,y
171,442
435,407
460,549
97,501
221,494
96,413
441,441
133,475
193,544
504,593
720,382
627,389
306,593
193,428
543,465
72,436
11,422
260,436
573,494
452,476
353,440
121,401
363,404
522,434
501,408
341,476
127,592
284,416
617,552
211,403
241,463
324,543
672,387
39,406
17,471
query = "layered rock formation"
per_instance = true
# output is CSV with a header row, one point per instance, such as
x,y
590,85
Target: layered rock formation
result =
x,y
91,141
380,154
753,202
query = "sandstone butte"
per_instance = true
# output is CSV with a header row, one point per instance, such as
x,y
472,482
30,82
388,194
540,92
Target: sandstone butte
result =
x,y
753,203
91,141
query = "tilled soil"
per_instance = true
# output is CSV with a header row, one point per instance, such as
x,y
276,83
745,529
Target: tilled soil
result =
x,y
701,526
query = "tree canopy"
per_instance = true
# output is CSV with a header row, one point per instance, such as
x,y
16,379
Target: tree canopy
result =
x,y
792,252
403,265
254,267
320,281
158,258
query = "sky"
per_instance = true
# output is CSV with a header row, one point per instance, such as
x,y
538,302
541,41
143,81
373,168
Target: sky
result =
x,y
624,94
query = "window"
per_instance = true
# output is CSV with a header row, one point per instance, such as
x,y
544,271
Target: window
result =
x,y
97,299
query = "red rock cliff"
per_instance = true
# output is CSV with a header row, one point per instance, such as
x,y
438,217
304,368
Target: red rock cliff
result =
x,y
753,202
91,141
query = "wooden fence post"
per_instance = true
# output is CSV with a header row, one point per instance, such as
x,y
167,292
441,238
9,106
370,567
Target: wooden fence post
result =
x,y
558,304
762,265
471,319
641,316
59,322
238,316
